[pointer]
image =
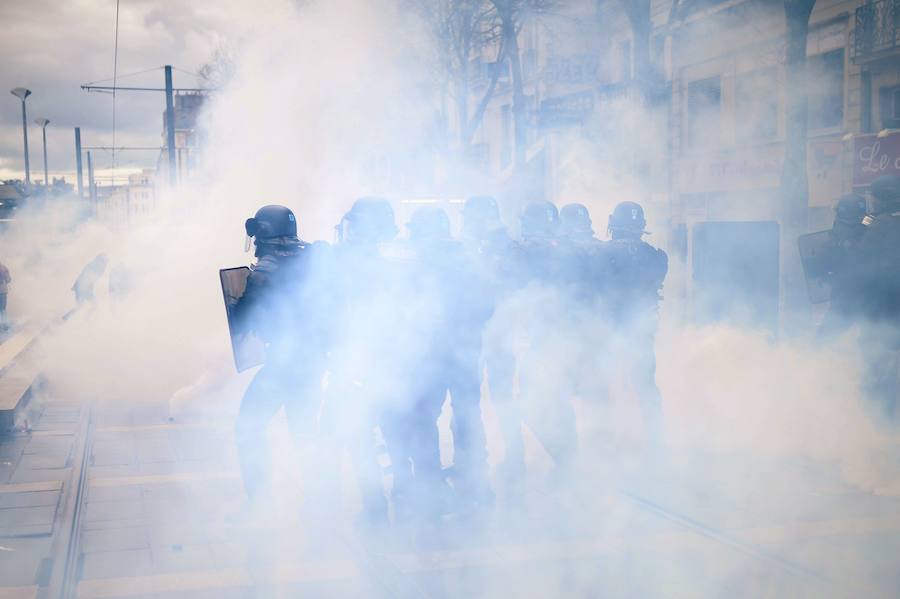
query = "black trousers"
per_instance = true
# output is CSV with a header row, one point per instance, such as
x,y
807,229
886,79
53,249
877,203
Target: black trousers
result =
x,y
295,388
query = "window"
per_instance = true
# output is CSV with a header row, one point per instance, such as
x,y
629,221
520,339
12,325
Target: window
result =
x,y
889,107
826,89
704,112
756,106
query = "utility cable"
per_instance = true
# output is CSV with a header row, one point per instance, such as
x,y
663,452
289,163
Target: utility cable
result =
x,y
127,75
115,79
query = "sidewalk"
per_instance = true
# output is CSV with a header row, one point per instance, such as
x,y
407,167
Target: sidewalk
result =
x,y
155,523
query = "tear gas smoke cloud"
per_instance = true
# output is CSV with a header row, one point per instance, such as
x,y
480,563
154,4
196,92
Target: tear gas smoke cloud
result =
x,y
320,103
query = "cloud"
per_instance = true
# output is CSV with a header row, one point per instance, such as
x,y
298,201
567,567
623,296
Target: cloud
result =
x,y
55,47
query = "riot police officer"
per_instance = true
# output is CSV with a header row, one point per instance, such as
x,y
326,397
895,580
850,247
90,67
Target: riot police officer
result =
x,y
845,234
585,262
465,307
490,255
575,223
363,363
275,307
432,273
873,287
544,376
637,272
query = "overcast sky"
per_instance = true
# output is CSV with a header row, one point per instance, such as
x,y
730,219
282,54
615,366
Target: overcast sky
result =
x,y
52,47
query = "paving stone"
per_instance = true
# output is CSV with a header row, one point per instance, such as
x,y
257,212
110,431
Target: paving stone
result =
x,y
6,471
63,413
182,558
115,539
27,530
155,450
215,594
67,427
27,516
34,499
117,564
113,510
159,468
12,447
110,524
112,453
43,461
162,535
228,555
114,493
28,475
51,445
161,512
114,470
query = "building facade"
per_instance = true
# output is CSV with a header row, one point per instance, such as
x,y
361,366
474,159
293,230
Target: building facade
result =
x,y
704,141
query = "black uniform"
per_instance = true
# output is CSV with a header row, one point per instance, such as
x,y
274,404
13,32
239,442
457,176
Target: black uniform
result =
x,y
490,256
280,307
874,296
869,292
845,235
544,376
367,364
637,272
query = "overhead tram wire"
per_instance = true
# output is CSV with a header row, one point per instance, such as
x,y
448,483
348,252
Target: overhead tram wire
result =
x,y
125,76
115,81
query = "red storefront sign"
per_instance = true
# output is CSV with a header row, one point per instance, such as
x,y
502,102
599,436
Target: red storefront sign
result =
x,y
874,156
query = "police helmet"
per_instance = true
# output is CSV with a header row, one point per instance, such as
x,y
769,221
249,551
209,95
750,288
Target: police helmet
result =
x,y
539,219
575,220
370,220
273,225
886,189
429,223
627,219
850,209
480,214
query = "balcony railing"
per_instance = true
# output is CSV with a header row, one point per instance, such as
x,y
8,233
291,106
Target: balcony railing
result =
x,y
877,30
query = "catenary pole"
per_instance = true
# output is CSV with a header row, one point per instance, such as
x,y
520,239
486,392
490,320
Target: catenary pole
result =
x,y
170,126
78,168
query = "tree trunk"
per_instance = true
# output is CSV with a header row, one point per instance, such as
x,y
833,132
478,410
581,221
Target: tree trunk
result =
x,y
462,107
638,12
519,108
794,182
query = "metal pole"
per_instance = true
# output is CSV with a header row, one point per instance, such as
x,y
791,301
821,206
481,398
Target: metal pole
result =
x,y
25,135
78,163
91,190
46,184
170,125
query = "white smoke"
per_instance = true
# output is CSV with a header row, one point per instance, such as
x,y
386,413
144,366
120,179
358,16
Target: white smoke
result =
x,y
327,105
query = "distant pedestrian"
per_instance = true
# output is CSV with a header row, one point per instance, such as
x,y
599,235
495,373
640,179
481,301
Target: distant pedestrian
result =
x,y
87,279
5,280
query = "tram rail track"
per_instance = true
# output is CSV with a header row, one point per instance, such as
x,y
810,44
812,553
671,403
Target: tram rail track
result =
x,y
62,582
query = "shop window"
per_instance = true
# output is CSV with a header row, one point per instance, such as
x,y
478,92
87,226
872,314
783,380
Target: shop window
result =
x,y
889,107
756,106
704,112
826,89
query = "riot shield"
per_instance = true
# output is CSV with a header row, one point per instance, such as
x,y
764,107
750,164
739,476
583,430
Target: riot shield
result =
x,y
816,252
248,349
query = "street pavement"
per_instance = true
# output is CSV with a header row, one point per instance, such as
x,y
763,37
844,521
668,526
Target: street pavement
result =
x,y
156,518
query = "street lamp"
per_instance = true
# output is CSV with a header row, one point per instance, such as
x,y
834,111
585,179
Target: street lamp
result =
x,y
43,124
22,93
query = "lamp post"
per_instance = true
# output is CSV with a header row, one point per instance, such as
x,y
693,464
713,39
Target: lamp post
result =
x,y
22,93
43,124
